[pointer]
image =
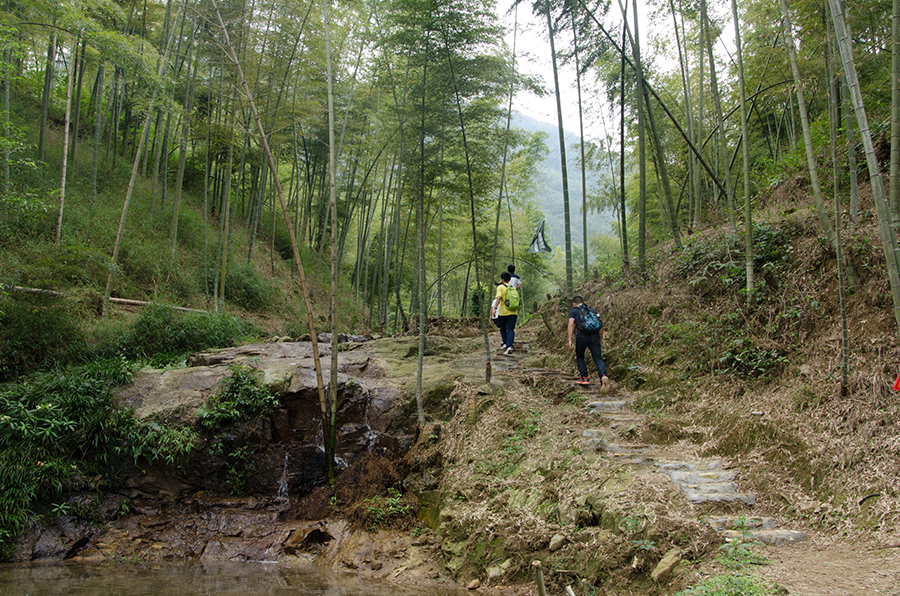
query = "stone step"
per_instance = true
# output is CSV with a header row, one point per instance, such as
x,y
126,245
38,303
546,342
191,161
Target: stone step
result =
x,y
774,536
599,407
706,482
722,523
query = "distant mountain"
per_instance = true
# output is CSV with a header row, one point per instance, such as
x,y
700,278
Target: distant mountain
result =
x,y
549,187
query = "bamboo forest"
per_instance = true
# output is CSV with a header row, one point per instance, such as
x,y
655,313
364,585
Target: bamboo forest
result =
x,y
312,284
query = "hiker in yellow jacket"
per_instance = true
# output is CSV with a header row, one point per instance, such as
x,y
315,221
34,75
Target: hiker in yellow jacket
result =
x,y
504,311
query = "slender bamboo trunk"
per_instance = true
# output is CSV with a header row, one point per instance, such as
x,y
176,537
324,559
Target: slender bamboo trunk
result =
x,y
98,130
562,157
45,99
807,138
720,123
888,236
833,119
895,109
70,78
584,209
626,260
748,202
462,127
287,219
332,201
182,145
76,106
642,150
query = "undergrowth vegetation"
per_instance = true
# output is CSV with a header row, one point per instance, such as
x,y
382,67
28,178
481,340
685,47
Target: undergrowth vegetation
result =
x,y
39,334
60,432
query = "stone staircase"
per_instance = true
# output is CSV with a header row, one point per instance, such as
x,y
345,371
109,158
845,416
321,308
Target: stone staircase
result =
x,y
701,481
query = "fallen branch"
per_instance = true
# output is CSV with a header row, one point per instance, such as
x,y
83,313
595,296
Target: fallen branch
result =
x,y
33,291
126,301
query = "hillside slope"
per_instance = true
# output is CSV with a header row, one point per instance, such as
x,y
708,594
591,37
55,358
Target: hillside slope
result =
x,y
705,378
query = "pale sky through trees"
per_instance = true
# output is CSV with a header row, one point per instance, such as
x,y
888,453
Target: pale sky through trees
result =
x,y
533,57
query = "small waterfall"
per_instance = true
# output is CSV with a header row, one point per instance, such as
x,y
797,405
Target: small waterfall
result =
x,y
283,495
371,436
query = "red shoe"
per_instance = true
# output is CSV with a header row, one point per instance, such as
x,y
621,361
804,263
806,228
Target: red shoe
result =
x,y
583,381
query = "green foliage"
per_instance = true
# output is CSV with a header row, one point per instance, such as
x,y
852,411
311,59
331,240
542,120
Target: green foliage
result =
x,y
36,334
731,585
737,552
575,399
380,510
245,287
238,470
713,267
60,432
242,397
162,329
744,359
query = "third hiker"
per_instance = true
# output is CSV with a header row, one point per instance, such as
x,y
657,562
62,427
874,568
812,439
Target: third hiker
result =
x,y
586,328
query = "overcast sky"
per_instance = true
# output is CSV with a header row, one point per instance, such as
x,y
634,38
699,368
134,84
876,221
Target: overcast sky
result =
x,y
533,58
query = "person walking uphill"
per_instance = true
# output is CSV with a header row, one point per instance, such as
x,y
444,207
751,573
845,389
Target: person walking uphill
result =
x,y
586,328
504,311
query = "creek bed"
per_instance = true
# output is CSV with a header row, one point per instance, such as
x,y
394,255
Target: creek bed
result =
x,y
194,578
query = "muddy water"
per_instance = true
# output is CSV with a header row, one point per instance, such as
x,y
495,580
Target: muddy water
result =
x,y
189,579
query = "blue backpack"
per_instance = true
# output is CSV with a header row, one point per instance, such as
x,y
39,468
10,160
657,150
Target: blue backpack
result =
x,y
589,321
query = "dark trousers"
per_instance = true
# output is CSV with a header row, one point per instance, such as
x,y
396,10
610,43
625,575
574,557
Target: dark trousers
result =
x,y
507,325
590,342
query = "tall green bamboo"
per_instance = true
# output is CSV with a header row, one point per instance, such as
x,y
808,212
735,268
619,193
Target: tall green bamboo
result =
x,y
895,109
745,144
824,220
570,286
330,435
287,218
885,222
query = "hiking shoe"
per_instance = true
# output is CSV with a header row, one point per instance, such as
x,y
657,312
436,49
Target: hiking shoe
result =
x,y
508,351
583,380
604,384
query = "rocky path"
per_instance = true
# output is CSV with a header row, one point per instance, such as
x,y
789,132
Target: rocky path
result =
x,y
701,480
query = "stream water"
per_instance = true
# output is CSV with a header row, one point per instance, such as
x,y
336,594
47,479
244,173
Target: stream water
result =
x,y
189,579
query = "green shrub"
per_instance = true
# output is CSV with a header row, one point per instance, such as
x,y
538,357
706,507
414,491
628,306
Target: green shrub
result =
x,y
162,329
245,287
61,433
379,510
36,334
731,585
242,397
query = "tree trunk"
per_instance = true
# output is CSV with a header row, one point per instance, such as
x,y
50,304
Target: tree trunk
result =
x,y
70,79
807,139
182,146
888,237
562,158
330,428
45,98
287,219
720,122
98,130
748,203
626,261
838,248
642,149
895,109
484,314
584,209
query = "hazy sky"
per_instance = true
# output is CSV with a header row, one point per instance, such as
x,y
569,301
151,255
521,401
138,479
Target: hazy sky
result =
x,y
533,57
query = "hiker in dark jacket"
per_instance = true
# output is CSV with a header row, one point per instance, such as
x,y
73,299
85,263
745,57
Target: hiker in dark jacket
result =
x,y
586,340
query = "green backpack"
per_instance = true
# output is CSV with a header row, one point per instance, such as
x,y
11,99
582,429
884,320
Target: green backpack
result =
x,y
511,298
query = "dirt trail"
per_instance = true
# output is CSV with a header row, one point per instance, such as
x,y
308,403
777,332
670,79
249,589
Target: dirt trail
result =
x,y
805,563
